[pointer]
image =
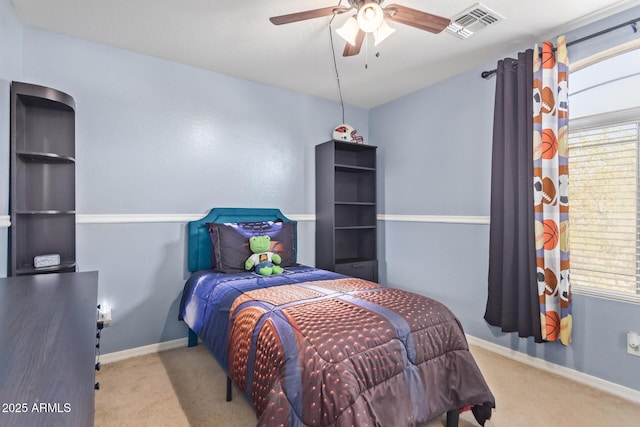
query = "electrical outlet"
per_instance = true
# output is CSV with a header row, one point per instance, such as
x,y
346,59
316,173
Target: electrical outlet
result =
x,y
104,315
633,343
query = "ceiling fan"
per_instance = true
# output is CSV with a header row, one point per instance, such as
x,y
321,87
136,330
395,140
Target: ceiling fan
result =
x,y
369,17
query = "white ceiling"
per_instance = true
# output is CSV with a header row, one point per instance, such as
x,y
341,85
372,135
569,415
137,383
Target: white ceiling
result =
x,y
235,37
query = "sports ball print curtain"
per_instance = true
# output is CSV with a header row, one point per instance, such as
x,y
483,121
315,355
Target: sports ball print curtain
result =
x,y
551,179
528,280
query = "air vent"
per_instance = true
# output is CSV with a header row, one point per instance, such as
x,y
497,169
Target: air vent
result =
x,y
467,23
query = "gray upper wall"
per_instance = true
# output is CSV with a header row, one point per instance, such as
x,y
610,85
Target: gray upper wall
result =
x,y
605,41
10,54
154,136
10,36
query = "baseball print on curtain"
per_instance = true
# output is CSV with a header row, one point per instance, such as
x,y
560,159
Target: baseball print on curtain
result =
x,y
550,180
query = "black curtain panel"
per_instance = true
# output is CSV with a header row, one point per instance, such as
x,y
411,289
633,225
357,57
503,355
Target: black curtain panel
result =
x,y
512,302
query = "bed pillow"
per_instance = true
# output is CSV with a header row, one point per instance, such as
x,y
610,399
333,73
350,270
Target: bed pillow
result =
x,y
230,243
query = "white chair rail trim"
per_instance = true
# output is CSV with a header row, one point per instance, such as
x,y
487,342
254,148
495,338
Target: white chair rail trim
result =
x,y
135,218
155,218
448,219
183,218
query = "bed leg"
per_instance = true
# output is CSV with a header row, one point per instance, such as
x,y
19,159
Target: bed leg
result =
x,y
228,389
193,339
453,417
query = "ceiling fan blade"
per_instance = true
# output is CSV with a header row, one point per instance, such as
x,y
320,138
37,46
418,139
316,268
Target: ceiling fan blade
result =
x,y
416,18
349,49
307,14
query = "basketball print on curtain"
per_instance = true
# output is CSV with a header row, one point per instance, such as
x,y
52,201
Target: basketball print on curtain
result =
x,y
551,178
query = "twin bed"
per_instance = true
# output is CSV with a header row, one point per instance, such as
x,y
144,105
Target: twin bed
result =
x,y
311,347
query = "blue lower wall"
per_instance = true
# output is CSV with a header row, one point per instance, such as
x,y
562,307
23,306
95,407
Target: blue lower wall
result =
x,y
449,262
142,270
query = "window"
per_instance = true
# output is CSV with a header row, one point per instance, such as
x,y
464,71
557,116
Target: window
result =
x,y
603,194
604,182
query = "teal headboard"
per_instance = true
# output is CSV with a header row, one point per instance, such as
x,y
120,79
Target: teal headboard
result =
x,y
199,255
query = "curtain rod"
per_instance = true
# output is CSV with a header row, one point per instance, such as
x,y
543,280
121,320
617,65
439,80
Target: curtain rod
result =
x,y
632,22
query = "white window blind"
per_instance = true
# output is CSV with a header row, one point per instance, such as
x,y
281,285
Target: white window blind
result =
x,y
603,213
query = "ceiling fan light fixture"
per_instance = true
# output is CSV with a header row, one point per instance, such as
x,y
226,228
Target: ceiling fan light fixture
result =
x,y
383,31
370,17
349,30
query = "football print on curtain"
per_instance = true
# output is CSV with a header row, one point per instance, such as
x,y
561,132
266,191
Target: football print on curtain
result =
x,y
551,177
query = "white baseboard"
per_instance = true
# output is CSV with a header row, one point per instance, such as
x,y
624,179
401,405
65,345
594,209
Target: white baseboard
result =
x,y
142,351
580,377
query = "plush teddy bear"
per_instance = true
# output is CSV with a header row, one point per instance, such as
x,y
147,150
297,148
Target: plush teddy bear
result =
x,y
263,261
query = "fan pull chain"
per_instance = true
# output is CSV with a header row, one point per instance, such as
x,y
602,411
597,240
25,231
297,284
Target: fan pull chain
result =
x,y
366,52
335,66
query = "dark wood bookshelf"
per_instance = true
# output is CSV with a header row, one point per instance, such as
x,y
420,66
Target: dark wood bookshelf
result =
x,y
346,217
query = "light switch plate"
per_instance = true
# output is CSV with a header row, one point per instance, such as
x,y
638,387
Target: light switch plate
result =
x,y
630,349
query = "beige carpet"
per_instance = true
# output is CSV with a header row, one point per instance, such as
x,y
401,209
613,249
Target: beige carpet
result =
x,y
186,387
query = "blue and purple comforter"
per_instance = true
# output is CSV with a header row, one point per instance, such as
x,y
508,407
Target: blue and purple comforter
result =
x,y
315,348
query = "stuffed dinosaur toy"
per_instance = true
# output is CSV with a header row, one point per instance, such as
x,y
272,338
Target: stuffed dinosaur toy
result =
x,y
263,261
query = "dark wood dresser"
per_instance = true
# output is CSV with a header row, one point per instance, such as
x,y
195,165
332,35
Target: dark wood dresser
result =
x,y
48,349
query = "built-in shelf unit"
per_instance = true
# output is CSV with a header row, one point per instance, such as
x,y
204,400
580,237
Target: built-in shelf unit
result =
x,y
42,162
346,222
